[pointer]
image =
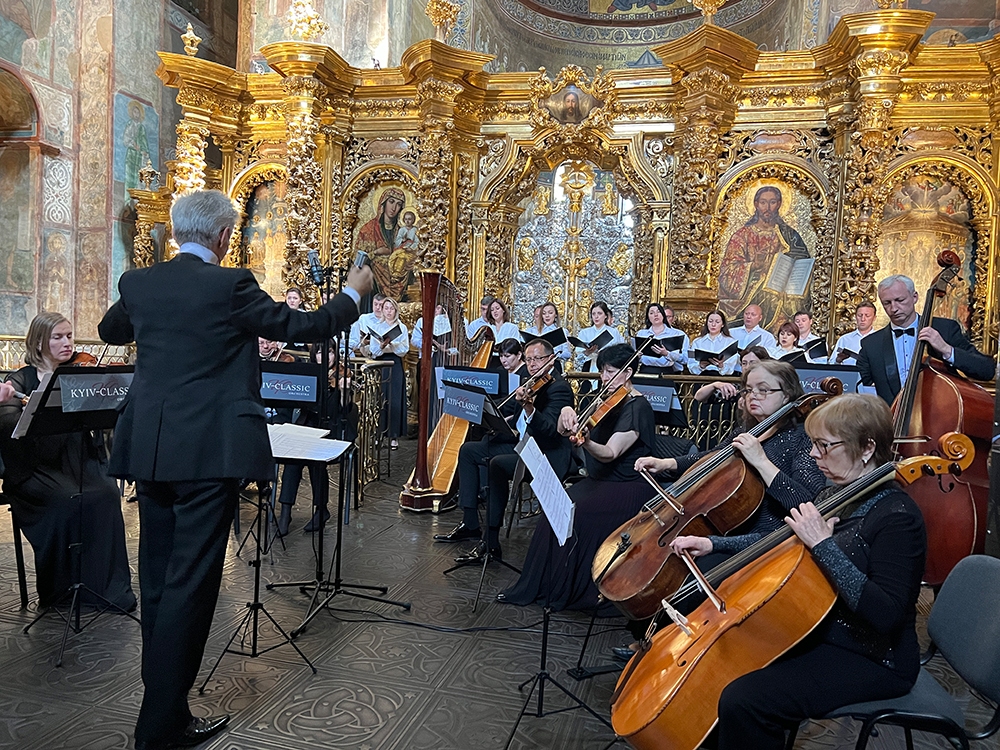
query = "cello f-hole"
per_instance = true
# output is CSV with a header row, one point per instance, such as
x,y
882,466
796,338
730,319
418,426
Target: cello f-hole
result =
x,y
662,539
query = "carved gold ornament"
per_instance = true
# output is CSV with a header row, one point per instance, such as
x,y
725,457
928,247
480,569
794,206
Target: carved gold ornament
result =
x,y
889,4
443,14
708,8
596,99
148,175
542,197
191,41
304,22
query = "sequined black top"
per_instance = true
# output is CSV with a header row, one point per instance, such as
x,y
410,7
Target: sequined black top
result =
x,y
875,559
798,481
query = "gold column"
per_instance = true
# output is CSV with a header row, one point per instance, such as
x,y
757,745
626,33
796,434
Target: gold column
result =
x,y
304,176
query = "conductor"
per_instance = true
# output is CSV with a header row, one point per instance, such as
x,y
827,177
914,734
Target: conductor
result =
x,y
191,427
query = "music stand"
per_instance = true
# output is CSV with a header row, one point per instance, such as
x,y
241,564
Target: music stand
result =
x,y
251,620
76,400
496,425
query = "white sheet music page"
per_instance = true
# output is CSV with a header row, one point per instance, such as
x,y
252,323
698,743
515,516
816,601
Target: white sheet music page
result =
x,y
34,401
303,443
558,507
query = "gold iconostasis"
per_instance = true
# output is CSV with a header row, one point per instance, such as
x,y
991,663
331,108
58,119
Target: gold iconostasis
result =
x,y
723,177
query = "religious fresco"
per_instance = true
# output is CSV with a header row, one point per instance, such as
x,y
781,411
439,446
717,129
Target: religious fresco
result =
x,y
769,252
570,105
55,270
136,128
386,229
17,110
959,21
263,236
17,237
925,216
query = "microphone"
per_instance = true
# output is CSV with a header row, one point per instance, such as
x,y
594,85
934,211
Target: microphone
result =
x,y
315,268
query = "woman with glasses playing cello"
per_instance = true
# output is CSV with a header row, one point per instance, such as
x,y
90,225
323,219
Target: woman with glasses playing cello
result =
x,y
612,492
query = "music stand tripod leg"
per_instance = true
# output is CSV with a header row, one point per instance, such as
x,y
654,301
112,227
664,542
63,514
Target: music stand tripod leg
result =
x,y
251,620
539,680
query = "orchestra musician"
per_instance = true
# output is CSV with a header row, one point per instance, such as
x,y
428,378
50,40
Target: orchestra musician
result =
x,y
659,360
537,417
866,648
714,338
722,389
560,576
58,486
790,475
191,428
885,355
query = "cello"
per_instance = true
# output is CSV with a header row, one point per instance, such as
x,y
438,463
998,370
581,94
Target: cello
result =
x,y
935,401
768,598
714,496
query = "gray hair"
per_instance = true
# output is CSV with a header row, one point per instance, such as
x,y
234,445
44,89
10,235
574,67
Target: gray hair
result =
x,y
888,281
199,215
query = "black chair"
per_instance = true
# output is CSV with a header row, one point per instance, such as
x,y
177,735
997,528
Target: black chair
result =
x,y
964,626
22,581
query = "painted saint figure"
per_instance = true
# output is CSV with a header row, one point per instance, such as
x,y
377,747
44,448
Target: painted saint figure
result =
x,y
747,261
377,237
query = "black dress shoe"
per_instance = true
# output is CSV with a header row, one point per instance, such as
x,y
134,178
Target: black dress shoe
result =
x,y
284,519
478,553
314,522
459,534
196,732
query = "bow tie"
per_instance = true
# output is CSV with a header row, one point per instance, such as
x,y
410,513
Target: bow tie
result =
x,y
897,332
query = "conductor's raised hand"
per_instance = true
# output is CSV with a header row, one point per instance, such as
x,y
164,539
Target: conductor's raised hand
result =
x,y
360,279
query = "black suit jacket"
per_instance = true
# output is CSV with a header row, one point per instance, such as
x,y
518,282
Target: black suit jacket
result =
x,y
194,411
544,424
877,360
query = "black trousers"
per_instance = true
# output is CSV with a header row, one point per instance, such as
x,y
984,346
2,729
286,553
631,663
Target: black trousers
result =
x,y
500,460
184,532
756,709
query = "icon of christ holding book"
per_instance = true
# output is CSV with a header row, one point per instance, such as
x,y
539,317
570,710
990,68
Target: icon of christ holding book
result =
x,y
765,262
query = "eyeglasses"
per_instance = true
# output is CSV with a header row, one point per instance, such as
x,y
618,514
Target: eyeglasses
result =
x,y
822,447
759,392
535,360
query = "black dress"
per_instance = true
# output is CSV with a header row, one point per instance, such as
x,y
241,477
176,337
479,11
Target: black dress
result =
x,y
42,479
865,649
611,494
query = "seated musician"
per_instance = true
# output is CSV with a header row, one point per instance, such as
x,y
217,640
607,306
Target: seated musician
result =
x,y
886,354
538,416
790,475
612,493
43,477
291,474
866,648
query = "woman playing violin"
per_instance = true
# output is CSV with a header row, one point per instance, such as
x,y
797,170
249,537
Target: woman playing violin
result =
x,y
611,493
43,477
866,648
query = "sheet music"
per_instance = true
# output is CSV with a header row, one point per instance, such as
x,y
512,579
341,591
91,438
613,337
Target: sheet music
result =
x,y
558,507
34,401
303,443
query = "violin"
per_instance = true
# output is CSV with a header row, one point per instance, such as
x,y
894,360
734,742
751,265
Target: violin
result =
x,y
606,401
714,496
535,383
761,603
82,359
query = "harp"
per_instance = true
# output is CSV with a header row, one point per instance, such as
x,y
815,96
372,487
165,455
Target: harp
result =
x,y
440,436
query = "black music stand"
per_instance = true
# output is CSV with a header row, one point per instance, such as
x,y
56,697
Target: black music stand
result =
x,y
45,415
250,623
323,584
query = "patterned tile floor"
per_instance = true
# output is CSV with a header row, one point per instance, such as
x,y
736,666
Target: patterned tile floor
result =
x,y
438,676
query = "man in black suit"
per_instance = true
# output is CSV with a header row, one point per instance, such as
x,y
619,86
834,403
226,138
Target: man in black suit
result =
x,y
539,418
886,355
191,427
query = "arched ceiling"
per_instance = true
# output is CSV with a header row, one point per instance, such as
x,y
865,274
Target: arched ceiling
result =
x,y
17,109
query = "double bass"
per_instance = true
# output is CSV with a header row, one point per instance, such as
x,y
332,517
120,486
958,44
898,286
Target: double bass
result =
x,y
714,496
762,602
935,401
